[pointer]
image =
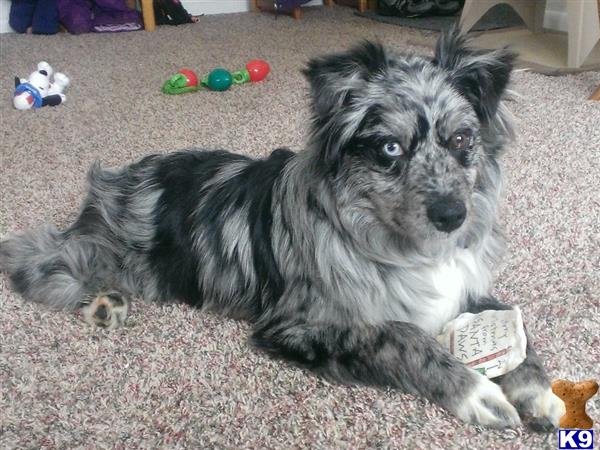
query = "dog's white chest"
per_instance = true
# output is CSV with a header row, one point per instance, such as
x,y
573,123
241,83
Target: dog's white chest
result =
x,y
444,302
435,294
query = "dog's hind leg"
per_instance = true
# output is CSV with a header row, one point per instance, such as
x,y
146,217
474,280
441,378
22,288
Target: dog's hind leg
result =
x,y
107,310
86,266
65,271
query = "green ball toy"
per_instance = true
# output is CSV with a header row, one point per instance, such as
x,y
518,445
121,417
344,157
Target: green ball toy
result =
x,y
219,80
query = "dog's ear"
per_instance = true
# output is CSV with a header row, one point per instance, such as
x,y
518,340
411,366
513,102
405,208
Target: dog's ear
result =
x,y
481,76
333,77
335,81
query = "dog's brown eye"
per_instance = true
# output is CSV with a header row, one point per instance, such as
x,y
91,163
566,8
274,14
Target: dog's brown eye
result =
x,y
393,149
461,140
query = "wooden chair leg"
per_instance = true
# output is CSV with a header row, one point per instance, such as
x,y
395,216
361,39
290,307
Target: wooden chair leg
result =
x,y
296,13
148,15
329,3
596,94
362,6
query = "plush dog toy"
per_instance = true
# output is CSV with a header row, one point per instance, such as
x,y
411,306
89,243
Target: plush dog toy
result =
x,y
38,90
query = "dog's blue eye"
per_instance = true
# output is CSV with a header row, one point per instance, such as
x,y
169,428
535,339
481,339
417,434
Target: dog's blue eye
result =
x,y
393,149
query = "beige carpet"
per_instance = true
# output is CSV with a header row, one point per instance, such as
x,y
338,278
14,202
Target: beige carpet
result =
x,y
176,378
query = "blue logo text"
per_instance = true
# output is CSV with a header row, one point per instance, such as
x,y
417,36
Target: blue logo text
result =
x,y
575,439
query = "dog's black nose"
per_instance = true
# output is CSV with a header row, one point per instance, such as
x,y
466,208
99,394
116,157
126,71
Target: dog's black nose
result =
x,y
447,214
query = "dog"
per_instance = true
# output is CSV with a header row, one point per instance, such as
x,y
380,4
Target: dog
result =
x,y
347,257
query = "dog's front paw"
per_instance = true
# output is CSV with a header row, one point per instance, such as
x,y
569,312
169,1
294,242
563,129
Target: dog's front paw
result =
x,y
487,405
108,310
539,407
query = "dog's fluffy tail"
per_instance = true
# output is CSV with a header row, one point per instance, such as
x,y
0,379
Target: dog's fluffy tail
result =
x,y
51,267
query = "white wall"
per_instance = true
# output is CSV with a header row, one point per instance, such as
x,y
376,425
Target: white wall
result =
x,y
555,16
4,9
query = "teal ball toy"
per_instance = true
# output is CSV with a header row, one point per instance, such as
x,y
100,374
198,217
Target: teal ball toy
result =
x,y
219,80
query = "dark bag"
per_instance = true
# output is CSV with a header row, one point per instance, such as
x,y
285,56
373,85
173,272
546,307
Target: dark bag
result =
x,y
170,12
419,8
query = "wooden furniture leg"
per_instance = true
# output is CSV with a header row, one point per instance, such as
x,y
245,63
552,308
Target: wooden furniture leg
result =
x,y
596,94
296,13
148,15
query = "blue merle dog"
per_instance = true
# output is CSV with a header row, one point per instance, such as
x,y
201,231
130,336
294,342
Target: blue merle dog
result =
x,y
347,257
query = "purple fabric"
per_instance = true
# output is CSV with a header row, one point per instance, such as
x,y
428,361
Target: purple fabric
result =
x,y
288,5
111,5
105,15
83,16
76,15
115,28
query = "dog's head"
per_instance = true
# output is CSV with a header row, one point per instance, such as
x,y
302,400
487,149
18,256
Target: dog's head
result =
x,y
406,139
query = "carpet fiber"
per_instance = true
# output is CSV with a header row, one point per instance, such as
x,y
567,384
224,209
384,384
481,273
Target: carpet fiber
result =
x,y
175,377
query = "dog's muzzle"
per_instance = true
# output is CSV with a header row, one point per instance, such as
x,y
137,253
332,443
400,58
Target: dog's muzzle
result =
x,y
447,214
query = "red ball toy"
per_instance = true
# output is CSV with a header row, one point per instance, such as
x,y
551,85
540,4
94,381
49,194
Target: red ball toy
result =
x,y
258,69
192,79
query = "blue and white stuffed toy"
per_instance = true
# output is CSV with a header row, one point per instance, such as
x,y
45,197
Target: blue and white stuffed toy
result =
x,y
38,90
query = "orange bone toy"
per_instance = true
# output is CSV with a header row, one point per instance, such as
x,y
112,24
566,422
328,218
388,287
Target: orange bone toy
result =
x,y
575,395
